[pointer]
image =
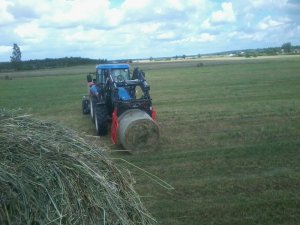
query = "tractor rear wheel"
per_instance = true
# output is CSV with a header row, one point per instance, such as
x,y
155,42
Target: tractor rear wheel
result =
x,y
101,120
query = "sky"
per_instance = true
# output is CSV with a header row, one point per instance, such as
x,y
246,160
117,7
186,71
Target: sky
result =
x,y
116,29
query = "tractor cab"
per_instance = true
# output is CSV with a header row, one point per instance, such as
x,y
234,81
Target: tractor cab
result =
x,y
115,72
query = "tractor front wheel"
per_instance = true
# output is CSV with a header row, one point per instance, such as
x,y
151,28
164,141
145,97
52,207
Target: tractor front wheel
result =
x,y
101,120
85,106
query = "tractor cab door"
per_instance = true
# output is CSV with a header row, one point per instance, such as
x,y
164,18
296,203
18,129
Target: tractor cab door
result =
x,y
102,75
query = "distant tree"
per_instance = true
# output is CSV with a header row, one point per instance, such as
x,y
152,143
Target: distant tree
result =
x,y
183,56
270,51
248,55
151,58
16,57
199,55
287,47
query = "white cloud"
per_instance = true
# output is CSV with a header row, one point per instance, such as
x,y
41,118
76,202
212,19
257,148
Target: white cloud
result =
x,y
5,49
135,5
5,16
199,4
204,37
206,24
256,36
114,17
224,15
166,36
143,28
150,28
30,32
77,12
268,3
219,18
80,35
269,23
176,4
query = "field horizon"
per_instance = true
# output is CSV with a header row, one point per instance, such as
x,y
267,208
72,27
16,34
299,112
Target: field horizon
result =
x,y
230,135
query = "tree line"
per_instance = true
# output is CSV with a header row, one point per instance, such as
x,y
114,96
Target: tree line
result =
x,y
17,64
48,63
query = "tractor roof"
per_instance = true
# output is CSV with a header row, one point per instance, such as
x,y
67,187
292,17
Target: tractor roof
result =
x,y
112,66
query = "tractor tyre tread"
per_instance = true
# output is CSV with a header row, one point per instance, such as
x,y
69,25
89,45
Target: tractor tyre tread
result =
x,y
101,118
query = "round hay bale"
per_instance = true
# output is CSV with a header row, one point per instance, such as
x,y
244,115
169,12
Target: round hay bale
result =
x,y
137,131
51,175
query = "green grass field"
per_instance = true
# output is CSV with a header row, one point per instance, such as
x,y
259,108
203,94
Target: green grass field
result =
x,y
230,136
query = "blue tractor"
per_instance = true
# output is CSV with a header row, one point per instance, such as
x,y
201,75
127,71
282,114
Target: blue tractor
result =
x,y
112,92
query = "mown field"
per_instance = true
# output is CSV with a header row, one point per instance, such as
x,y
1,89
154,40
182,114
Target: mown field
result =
x,y
230,136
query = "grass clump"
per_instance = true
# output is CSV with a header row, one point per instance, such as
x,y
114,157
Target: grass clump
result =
x,y
51,175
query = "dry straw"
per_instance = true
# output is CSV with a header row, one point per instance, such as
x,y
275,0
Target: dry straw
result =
x,y
51,175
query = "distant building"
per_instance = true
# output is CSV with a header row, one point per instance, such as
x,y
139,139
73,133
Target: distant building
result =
x,y
296,51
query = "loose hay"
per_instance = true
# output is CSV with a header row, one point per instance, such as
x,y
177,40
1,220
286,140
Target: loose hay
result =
x,y
50,175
